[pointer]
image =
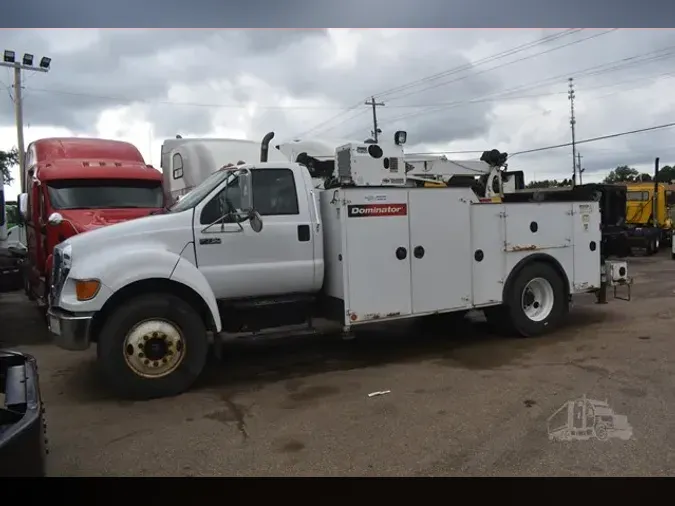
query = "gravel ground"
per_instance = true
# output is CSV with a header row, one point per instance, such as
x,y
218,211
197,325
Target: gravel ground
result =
x,y
463,403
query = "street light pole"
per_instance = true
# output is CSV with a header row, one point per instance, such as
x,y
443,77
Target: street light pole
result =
x,y
9,60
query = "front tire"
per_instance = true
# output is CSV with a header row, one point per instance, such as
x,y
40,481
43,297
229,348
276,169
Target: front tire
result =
x,y
152,346
535,304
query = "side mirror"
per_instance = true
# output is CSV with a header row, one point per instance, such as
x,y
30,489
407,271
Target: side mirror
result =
x,y
256,221
23,206
400,137
246,190
55,219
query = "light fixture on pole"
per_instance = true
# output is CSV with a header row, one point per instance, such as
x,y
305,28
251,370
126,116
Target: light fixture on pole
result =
x,y
26,63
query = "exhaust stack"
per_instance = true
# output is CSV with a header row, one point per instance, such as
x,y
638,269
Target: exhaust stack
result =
x,y
656,194
265,146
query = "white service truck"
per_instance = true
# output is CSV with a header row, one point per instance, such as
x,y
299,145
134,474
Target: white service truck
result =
x,y
257,246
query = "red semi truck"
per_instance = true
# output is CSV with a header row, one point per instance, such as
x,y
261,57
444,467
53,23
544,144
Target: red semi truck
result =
x,y
78,184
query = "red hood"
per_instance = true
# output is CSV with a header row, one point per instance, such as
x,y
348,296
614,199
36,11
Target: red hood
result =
x,y
90,219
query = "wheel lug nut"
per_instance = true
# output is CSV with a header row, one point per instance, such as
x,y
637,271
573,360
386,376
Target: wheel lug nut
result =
x,y
165,360
146,361
155,364
155,334
145,338
140,355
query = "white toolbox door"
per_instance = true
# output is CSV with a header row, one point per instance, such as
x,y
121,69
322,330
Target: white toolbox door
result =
x,y
440,246
378,281
586,256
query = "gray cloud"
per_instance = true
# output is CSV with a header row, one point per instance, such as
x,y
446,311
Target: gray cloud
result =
x,y
178,78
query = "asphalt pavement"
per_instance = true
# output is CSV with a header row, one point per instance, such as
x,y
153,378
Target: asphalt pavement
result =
x,y
460,402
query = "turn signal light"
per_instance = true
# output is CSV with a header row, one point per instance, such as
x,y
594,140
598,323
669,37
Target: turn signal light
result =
x,y
86,289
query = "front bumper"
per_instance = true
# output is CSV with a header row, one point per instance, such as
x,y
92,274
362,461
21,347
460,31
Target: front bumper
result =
x,y
70,331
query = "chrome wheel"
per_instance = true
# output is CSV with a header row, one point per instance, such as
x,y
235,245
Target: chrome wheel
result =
x,y
154,348
537,299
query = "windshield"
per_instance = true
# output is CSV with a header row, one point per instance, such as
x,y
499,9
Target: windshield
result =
x,y
199,193
105,194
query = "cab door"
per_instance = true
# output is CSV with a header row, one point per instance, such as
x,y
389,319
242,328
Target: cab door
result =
x,y
238,262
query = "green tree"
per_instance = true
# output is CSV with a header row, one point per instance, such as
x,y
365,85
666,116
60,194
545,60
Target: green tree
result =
x,y
666,174
8,159
626,174
622,174
549,183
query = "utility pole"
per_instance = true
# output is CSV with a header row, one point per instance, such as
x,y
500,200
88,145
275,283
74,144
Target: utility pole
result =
x,y
376,131
9,60
573,122
579,169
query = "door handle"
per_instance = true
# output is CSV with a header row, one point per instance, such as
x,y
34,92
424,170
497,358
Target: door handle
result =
x,y
418,252
303,233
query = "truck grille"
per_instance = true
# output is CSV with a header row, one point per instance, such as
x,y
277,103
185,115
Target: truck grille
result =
x,y
59,275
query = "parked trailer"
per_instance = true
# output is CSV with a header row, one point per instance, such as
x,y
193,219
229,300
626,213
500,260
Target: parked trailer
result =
x,y
252,249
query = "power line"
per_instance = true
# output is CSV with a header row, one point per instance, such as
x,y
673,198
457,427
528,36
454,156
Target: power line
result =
x,y
455,69
596,70
555,146
506,64
522,97
472,65
188,104
594,139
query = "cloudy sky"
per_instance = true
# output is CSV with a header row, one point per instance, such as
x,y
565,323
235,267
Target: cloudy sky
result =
x,y
452,90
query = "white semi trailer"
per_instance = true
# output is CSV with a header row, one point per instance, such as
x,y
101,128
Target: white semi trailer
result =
x,y
252,248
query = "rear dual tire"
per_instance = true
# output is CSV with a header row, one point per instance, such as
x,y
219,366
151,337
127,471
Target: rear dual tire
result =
x,y
535,304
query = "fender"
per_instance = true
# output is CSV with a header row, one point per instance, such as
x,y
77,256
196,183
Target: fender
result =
x,y
117,268
186,273
540,257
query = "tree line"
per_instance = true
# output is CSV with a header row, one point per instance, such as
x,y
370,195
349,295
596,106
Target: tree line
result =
x,y
622,174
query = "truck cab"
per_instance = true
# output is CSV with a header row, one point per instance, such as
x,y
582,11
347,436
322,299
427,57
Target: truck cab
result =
x,y
75,185
648,218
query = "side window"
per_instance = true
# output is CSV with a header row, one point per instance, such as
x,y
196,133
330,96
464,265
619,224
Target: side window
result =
x,y
274,192
217,206
177,166
670,197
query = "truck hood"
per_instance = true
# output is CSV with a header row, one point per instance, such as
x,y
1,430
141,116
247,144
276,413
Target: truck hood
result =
x,y
85,220
171,231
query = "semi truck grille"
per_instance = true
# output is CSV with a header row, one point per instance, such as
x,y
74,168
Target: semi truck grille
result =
x,y
59,274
